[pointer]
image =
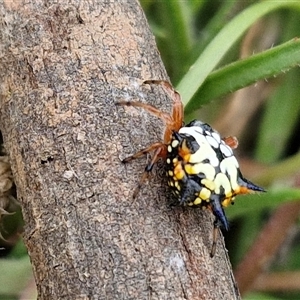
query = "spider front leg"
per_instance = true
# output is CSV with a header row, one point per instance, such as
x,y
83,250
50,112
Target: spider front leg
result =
x,y
177,115
151,109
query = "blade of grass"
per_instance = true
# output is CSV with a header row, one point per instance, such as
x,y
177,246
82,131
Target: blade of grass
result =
x,y
247,71
260,296
196,6
176,18
281,170
256,202
281,112
215,24
246,229
12,269
214,52
280,117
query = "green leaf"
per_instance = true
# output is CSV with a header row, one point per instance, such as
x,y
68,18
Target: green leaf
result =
x,y
12,269
244,234
247,71
260,296
254,202
215,51
176,19
281,170
281,115
215,24
281,111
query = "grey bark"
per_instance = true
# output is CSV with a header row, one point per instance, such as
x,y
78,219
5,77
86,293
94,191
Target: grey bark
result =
x,y
63,66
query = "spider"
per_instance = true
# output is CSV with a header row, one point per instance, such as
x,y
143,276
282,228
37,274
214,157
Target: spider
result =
x,y
200,165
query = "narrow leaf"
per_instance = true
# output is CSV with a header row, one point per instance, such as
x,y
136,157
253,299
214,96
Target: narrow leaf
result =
x,y
247,71
271,199
215,51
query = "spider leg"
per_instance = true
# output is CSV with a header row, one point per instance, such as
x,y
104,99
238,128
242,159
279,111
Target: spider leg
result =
x,y
177,111
153,110
177,115
215,238
220,220
159,152
172,121
231,141
143,152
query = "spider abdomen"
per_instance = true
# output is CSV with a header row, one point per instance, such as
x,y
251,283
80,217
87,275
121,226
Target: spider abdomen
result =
x,y
202,169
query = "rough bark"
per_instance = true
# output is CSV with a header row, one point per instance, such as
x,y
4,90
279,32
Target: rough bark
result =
x,y
63,66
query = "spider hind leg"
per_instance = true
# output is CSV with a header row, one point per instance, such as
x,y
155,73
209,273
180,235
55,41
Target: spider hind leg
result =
x,y
217,225
220,221
143,152
160,150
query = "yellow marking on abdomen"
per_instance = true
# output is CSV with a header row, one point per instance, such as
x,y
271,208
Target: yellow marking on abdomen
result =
x,y
208,183
222,180
207,169
197,201
205,194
